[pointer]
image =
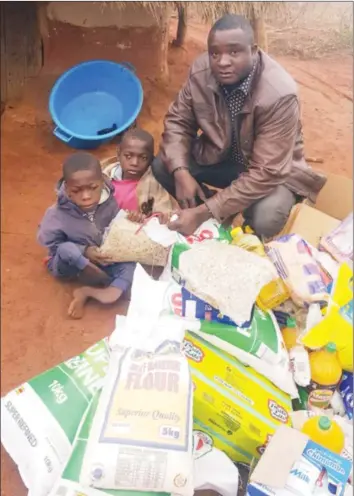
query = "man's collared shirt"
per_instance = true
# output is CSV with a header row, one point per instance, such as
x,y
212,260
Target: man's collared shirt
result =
x,y
235,97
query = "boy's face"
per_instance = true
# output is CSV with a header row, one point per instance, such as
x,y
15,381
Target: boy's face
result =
x,y
135,158
84,188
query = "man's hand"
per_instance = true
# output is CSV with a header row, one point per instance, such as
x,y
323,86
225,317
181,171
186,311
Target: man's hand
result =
x,y
94,255
189,220
187,189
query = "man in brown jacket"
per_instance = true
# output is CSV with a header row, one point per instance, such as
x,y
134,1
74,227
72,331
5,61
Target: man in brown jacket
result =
x,y
235,125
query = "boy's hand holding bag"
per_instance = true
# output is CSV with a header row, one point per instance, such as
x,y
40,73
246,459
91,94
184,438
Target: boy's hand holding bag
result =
x,y
127,241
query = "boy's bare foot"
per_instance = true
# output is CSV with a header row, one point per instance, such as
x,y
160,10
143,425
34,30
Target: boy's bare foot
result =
x,y
81,295
94,276
76,307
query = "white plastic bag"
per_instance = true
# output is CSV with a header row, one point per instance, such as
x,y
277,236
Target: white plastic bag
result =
x,y
39,419
300,363
339,242
141,436
299,270
213,470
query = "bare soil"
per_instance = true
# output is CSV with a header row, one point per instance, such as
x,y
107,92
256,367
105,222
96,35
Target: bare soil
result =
x,y
36,332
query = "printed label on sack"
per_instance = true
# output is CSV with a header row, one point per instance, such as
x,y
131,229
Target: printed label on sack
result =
x,y
73,382
166,383
20,422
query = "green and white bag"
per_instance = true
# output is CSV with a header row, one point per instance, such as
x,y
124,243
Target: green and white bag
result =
x,y
40,419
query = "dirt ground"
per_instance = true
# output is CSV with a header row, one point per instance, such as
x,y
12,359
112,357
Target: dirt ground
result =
x,y
36,333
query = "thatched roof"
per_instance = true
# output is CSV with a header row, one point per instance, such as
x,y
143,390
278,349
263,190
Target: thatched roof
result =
x,y
207,11
210,11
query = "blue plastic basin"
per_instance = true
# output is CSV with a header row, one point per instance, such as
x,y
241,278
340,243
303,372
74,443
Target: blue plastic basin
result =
x,y
94,97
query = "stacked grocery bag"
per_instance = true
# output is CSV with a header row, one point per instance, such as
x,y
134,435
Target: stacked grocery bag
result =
x,y
238,344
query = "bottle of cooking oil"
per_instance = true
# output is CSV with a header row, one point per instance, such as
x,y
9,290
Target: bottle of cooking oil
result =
x,y
289,333
326,373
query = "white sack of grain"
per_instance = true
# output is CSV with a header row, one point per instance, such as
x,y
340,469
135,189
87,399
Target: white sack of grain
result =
x,y
40,418
225,276
141,436
224,480
125,241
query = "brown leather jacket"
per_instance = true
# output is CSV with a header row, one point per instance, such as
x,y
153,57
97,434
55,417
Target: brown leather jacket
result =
x,y
270,135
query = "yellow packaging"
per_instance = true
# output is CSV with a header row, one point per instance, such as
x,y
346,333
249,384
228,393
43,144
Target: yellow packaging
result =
x,y
272,295
337,325
238,408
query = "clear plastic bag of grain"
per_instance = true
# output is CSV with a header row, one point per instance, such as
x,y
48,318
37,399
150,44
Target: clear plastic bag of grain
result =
x,y
125,241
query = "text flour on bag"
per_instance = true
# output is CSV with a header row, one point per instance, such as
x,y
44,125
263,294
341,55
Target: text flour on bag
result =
x,y
141,437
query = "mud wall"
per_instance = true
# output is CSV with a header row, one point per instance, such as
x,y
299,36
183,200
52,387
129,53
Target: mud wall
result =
x,y
73,32
21,53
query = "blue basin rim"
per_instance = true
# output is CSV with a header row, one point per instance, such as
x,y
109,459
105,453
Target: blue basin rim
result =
x,y
95,137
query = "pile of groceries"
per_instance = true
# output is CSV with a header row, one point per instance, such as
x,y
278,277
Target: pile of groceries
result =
x,y
240,355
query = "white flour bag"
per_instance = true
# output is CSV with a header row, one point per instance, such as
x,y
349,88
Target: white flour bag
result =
x,y
141,435
68,484
224,480
40,418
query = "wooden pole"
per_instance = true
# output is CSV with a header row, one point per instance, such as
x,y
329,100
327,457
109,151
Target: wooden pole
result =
x,y
181,27
164,73
260,30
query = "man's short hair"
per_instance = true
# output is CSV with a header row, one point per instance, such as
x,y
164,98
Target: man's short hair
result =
x,y
141,135
233,21
81,161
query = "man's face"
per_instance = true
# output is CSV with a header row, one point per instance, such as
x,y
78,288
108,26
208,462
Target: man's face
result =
x,y
84,188
231,55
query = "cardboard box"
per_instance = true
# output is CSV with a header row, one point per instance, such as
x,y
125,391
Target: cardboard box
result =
x,y
287,447
236,407
333,204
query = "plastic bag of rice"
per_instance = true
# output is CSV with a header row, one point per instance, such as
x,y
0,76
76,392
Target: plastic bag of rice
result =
x,y
141,435
211,229
126,241
40,418
226,277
